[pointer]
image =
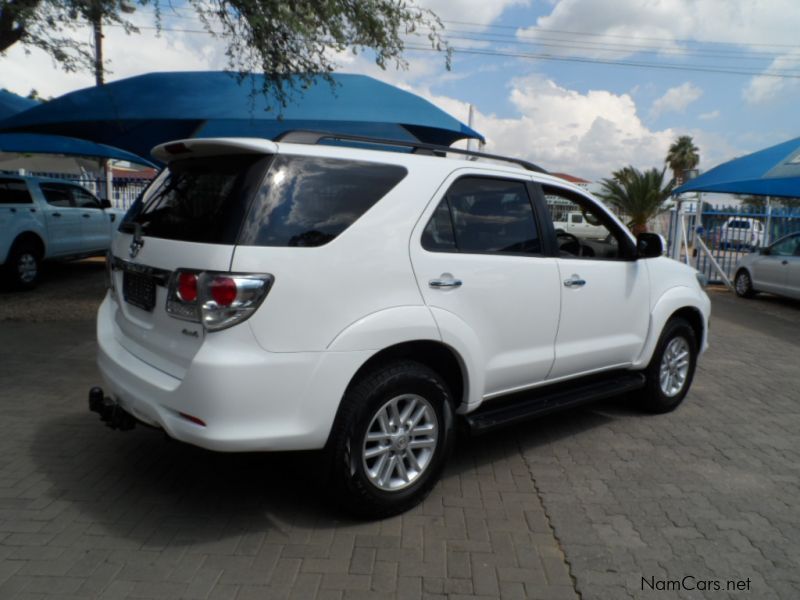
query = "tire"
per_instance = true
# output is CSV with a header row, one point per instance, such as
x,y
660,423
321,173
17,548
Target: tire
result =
x,y
743,284
23,266
661,395
363,484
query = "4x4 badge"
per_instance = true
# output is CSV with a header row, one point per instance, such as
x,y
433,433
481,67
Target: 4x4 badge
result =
x,y
137,242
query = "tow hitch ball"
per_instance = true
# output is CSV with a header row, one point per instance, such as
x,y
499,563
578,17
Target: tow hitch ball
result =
x,y
110,412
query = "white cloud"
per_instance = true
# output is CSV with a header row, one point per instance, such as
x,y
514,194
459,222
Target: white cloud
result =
x,y
708,116
561,129
634,21
481,12
676,99
763,88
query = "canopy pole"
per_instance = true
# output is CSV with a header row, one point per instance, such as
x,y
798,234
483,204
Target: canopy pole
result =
x,y
768,227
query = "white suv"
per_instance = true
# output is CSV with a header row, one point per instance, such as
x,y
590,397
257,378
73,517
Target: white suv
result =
x,y
284,296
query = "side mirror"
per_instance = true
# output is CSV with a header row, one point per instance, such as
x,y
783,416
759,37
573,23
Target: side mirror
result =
x,y
105,203
764,251
649,245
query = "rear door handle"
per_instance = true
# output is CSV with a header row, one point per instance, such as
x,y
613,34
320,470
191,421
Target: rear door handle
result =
x,y
445,283
574,281
56,214
85,216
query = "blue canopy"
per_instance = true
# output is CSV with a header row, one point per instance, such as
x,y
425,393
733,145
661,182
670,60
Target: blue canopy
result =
x,y
11,104
774,171
141,112
37,143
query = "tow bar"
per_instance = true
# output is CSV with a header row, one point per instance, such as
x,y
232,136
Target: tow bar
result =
x,y
111,413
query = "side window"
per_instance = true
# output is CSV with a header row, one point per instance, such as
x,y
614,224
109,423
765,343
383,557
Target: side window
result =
x,y
14,191
785,247
309,201
83,199
57,194
485,215
438,234
597,238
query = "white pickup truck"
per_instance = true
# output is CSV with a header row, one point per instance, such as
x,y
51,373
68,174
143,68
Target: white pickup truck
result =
x,y
578,225
49,219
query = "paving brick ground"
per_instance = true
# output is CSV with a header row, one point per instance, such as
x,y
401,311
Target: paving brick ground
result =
x,y
580,504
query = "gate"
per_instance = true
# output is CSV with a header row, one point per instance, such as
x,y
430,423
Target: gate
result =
x,y
726,234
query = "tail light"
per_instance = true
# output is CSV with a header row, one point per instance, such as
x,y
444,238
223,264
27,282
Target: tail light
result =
x,y
217,300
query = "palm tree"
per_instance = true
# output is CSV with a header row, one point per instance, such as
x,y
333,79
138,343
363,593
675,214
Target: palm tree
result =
x,y
639,195
621,175
682,155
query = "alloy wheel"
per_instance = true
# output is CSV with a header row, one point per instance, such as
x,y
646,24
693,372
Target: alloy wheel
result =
x,y
400,442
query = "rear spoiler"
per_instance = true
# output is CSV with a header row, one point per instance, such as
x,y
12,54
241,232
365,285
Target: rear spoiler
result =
x,y
198,147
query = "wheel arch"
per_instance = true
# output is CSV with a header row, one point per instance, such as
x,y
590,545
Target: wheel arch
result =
x,y
432,353
676,302
31,238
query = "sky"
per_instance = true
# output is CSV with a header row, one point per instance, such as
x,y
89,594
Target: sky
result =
x,y
577,86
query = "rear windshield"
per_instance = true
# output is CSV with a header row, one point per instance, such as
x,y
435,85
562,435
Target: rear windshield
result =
x,y
739,224
261,201
199,199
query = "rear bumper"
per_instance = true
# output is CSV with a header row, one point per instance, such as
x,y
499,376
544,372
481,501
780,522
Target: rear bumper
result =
x,y
248,398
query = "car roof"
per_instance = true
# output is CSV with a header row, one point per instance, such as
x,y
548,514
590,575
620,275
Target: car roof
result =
x,y
39,179
442,164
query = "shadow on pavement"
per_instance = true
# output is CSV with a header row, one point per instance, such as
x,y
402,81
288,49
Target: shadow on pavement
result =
x,y
141,485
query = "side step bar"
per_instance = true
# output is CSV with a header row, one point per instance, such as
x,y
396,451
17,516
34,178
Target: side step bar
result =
x,y
540,401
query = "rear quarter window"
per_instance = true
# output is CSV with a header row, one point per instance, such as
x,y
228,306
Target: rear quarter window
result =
x,y
14,191
309,201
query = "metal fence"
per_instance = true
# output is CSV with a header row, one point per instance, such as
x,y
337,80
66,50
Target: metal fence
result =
x,y
124,190
728,233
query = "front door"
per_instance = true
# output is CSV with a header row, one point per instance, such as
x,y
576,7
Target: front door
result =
x,y
605,300
479,261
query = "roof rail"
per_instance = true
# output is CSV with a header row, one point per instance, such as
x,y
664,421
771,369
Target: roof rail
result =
x,y
304,136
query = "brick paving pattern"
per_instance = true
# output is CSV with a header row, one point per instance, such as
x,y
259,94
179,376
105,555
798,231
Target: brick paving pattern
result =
x,y
582,504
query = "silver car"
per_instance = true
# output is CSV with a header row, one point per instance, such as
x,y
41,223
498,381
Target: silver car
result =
x,y
774,269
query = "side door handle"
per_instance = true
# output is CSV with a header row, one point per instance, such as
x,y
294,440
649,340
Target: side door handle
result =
x,y
85,216
574,281
56,214
445,282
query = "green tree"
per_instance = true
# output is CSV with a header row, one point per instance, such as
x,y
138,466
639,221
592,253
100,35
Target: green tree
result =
x,y
275,37
639,195
682,155
623,174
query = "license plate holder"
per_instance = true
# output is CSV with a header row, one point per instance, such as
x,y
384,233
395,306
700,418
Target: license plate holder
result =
x,y
139,289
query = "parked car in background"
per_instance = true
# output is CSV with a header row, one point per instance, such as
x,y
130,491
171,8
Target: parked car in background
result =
x,y
580,225
774,269
742,233
42,219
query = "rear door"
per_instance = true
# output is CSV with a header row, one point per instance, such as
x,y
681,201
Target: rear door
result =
x,y
188,218
63,219
478,259
770,271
